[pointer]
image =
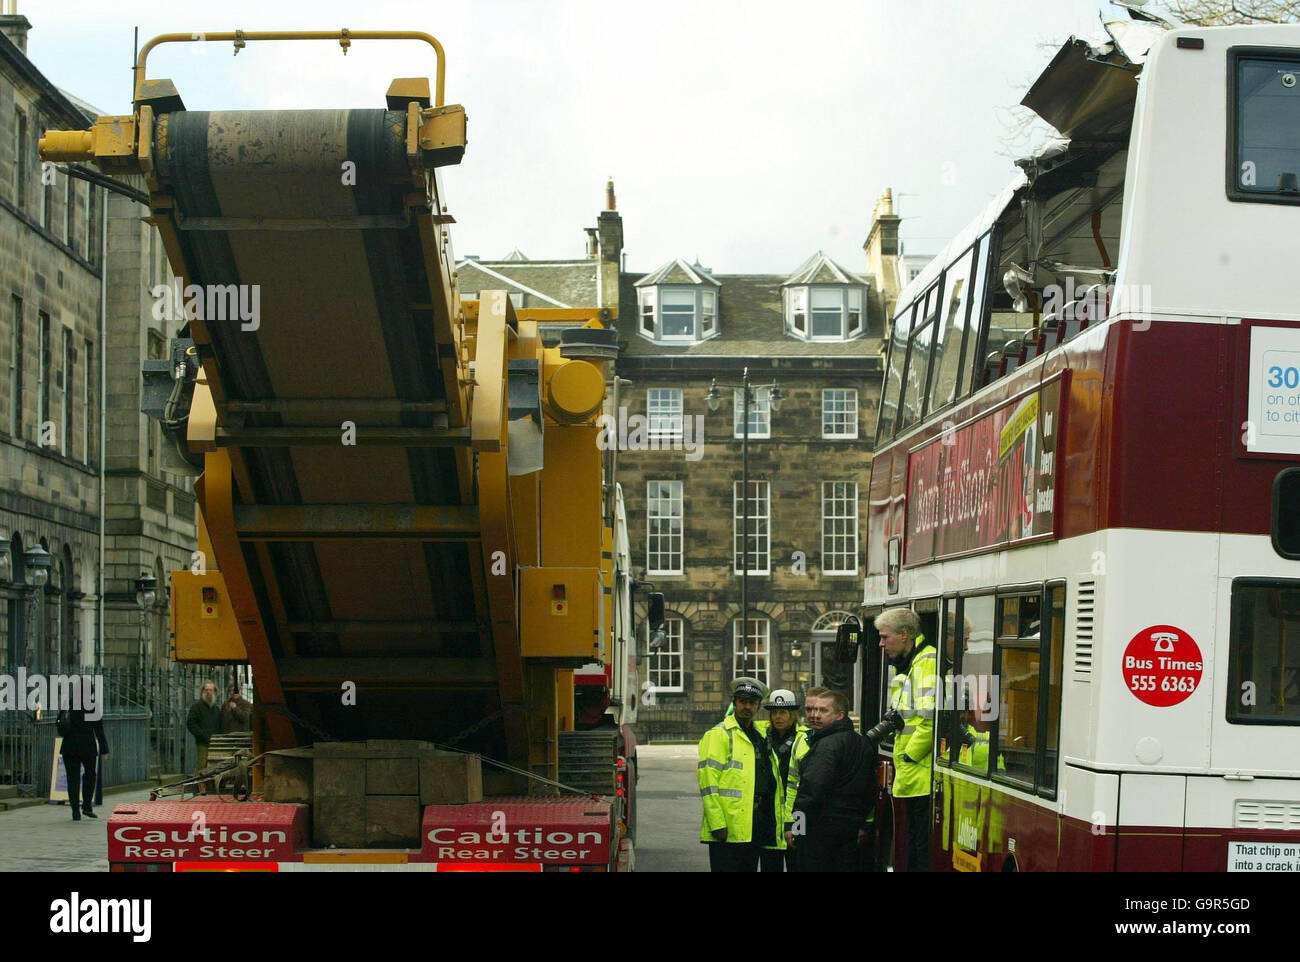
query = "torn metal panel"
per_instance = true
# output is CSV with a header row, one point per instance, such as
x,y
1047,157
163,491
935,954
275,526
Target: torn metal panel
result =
x,y
1086,93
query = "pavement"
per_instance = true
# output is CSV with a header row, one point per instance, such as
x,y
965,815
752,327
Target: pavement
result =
x,y
44,838
668,811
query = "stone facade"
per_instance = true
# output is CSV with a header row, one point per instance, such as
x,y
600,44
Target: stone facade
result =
x,y
794,603
150,513
740,321
49,440
58,288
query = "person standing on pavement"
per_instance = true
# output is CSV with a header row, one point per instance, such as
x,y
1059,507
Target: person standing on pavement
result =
x,y
835,788
739,787
203,722
84,743
236,712
787,739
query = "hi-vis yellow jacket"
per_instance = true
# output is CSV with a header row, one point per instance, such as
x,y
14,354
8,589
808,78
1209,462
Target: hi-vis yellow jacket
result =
x,y
726,776
797,751
913,696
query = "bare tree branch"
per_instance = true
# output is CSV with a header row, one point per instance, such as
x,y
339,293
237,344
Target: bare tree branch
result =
x,y
1210,13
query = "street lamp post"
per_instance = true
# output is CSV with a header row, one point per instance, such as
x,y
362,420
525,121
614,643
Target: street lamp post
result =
x,y
36,571
145,594
714,399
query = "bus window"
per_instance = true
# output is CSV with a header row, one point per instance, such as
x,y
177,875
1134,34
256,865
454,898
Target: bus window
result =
x,y
1265,104
945,386
974,362
1052,720
894,377
1263,672
945,700
916,377
973,689
1018,655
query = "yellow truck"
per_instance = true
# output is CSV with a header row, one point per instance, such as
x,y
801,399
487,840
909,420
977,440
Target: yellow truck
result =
x,y
406,524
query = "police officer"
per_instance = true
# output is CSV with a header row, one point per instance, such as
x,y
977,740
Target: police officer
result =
x,y
739,787
911,699
787,737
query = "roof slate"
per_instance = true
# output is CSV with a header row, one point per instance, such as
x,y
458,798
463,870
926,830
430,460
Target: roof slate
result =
x,y
820,269
573,283
751,323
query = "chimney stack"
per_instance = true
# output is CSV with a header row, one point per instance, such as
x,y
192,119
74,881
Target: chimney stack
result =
x,y
882,262
609,230
15,26
593,245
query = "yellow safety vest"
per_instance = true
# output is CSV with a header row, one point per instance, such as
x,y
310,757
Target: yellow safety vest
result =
x,y
726,777
976,804
912,695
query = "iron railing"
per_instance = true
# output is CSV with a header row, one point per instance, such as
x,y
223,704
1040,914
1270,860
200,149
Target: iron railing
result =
x,y
144,721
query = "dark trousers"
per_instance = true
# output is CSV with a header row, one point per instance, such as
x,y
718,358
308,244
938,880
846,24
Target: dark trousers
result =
x,y
733,856
81,785
777,860
917,813
831,845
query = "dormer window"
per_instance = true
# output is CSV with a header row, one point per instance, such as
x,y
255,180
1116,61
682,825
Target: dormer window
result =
x,y
678,304
823,302
677,313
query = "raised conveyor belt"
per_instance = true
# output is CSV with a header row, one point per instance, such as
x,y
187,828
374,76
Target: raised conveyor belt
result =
x,y
345,313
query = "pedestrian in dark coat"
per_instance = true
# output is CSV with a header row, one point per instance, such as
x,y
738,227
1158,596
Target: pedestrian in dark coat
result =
x,y
84,743
836,788
203,722
236,712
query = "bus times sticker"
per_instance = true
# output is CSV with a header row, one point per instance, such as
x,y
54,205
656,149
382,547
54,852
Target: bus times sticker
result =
x,y
1162,665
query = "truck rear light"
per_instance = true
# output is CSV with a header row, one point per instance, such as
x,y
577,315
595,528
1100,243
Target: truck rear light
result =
x,y
489,867
140,867
227,867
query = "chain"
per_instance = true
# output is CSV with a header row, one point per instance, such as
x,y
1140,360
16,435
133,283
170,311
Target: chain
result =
x,y
318,732
481,723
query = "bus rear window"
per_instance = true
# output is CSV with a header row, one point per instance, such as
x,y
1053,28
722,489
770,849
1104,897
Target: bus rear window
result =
x,y
1264,655
1265,108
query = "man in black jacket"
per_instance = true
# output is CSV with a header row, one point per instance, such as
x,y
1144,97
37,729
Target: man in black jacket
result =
x,y
83,742
203,722
836,788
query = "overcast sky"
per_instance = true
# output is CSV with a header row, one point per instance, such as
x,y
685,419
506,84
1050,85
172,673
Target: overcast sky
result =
x,y
747,134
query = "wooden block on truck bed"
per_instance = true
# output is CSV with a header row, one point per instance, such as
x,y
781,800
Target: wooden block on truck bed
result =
x,y
393,820
450,778
399,746
287,776
393,776
334,777
339,820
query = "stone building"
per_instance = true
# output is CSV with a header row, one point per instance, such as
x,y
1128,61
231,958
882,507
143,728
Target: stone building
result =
x,y
810,342
816,334
74,449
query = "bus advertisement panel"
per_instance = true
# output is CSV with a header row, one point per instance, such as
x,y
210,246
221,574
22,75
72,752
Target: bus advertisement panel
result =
x,y
986,484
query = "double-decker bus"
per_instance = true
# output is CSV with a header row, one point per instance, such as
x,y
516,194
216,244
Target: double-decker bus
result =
x,y
1085,479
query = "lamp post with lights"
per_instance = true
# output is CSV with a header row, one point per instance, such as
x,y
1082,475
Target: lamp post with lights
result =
x,y
775,399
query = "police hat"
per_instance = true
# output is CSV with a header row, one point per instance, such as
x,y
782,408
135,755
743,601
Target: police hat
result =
x,y
781,698
747,688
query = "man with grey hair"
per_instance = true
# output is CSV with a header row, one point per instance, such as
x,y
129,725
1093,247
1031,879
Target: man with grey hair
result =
x,y
911,717
204,721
